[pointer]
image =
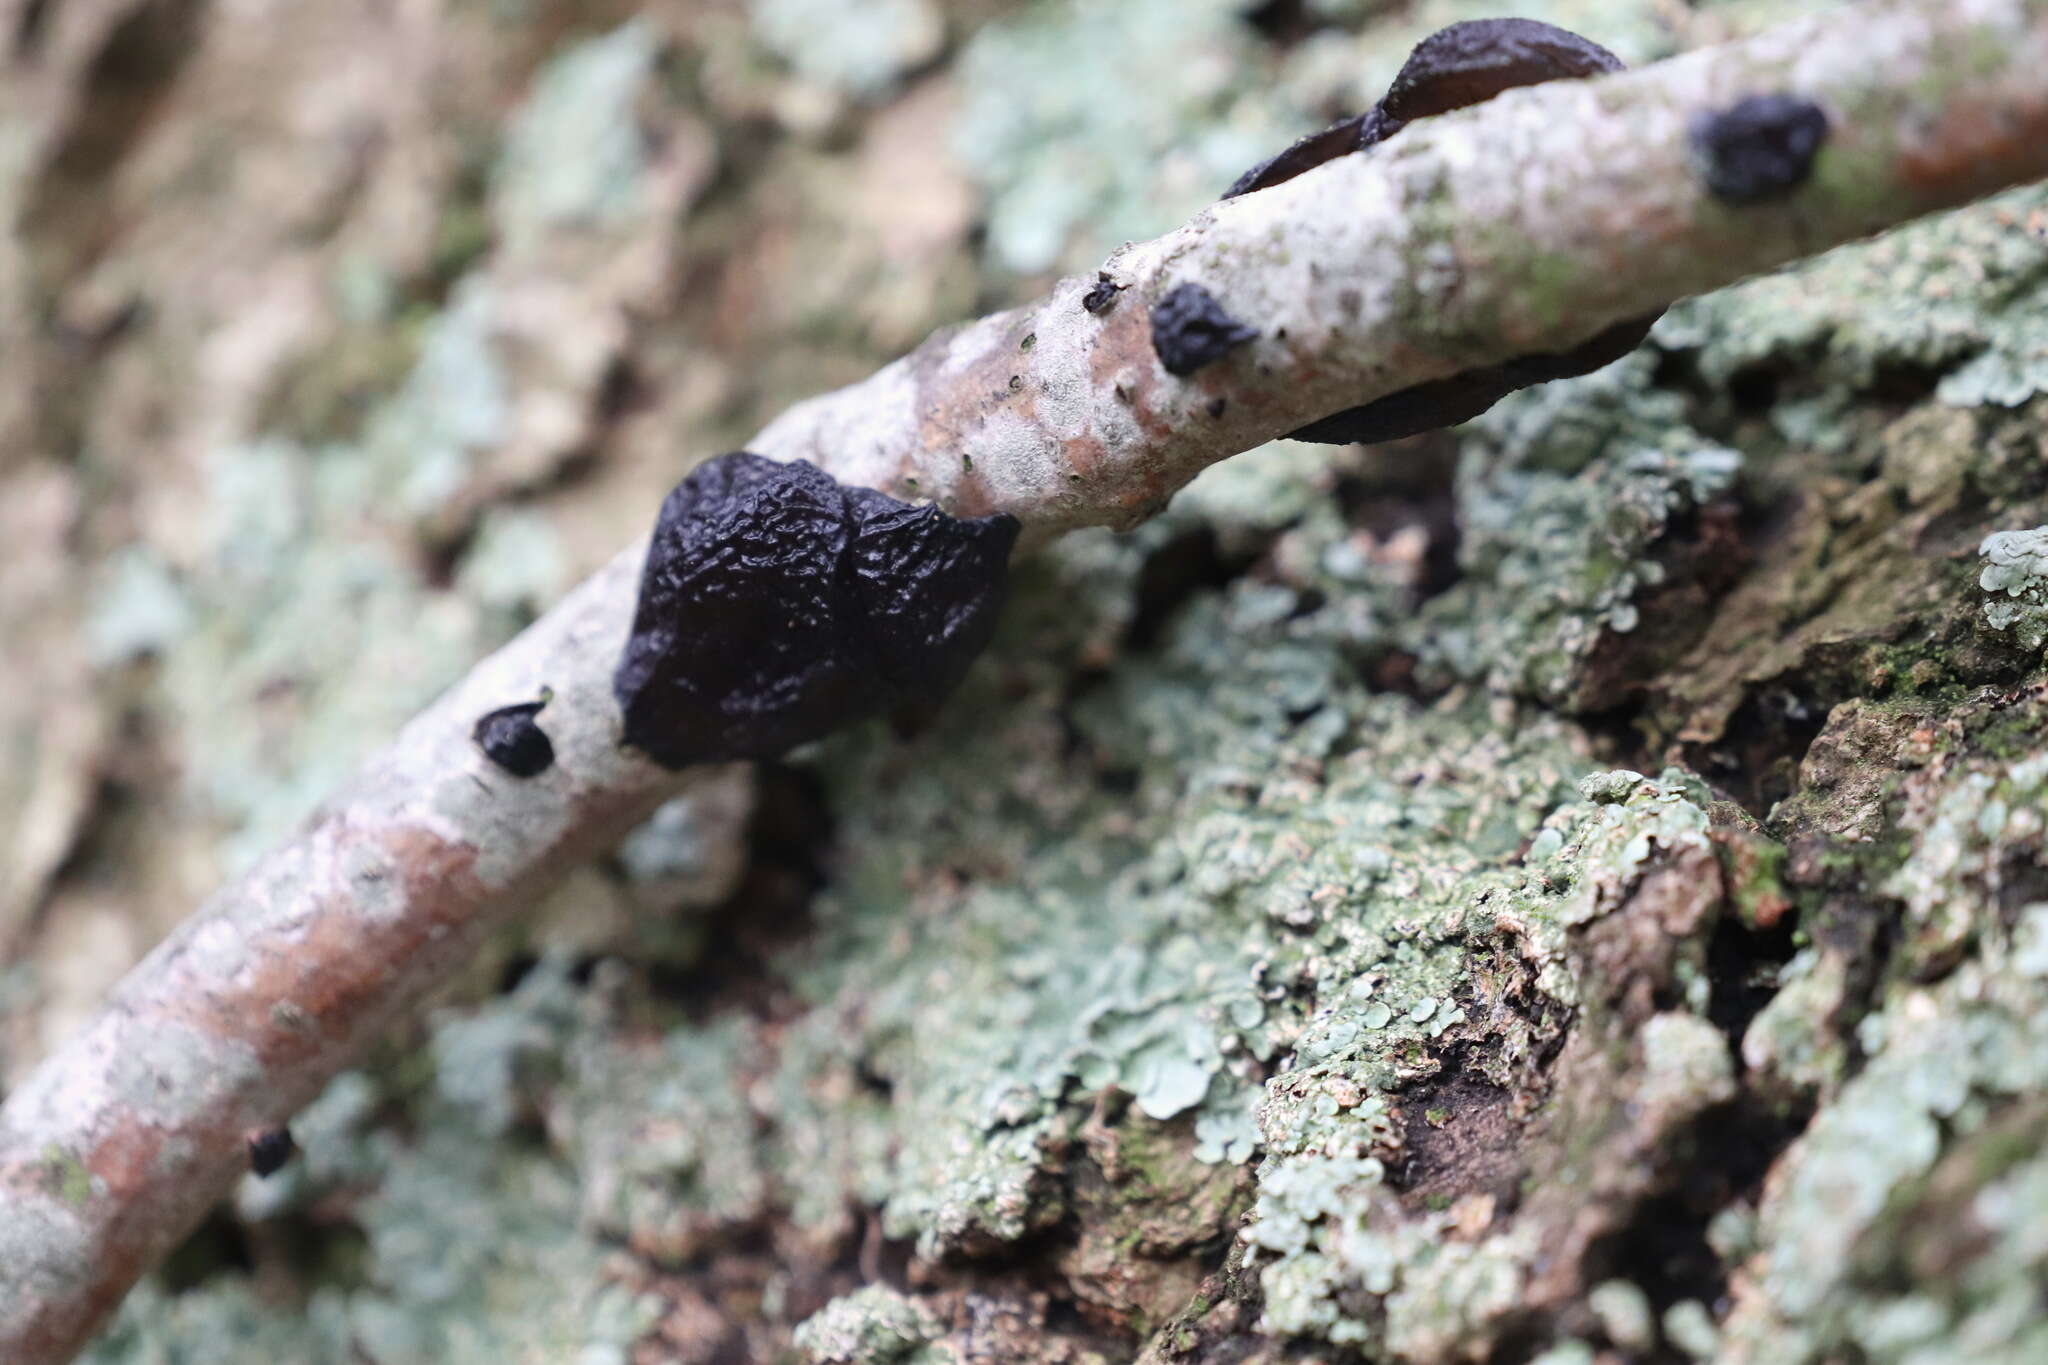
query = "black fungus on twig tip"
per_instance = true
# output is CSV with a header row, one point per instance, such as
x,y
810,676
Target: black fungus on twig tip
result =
x,y
1464,64
1190,330
1759,148
270,1149
777,606
1101,296
512,739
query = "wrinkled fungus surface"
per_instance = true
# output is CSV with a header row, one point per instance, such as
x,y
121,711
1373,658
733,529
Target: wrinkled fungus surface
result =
x,y
777,606
1759,148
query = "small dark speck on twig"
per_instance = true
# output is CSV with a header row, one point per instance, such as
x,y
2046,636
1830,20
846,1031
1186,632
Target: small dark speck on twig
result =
x,y
1101,296
270,1149
1190,330
1758,148
511,739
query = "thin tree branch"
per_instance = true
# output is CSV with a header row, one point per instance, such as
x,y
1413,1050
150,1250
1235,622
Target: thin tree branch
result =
x,y
1523,226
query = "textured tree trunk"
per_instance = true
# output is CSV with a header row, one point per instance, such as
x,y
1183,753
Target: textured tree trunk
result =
x,y
1567,887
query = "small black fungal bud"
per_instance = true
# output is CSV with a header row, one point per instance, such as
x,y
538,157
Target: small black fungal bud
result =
x,y
1190,330
270,1149
511,738
1758,148
777,606
1101,296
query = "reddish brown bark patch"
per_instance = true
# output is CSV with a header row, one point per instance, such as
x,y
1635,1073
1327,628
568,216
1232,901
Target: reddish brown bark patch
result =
x,y
1973,145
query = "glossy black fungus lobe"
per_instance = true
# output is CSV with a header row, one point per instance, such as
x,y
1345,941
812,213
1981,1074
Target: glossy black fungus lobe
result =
x,y
1759,148
1454,67
512,739
1459,65
777,606
1190,330
270,1149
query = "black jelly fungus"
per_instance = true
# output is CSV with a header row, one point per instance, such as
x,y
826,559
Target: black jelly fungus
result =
x,y
1190,330
1469,63
1758,148
1101,295
1457,66
512,739
270,1149
1464,395
777,606
1339,138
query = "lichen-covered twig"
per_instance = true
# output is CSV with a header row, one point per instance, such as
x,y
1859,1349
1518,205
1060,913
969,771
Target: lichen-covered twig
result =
x,y
1520,228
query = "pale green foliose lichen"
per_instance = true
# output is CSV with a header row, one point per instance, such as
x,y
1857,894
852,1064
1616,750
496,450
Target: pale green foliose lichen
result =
x,y
1563,492
1959,292
1325,1227
661,1135
575,154
872,1326
2016,577
1287,877
1076,152
1625,1315
1790,1039
859,47
1895,1220
1965,833
1161,962
1690,1327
